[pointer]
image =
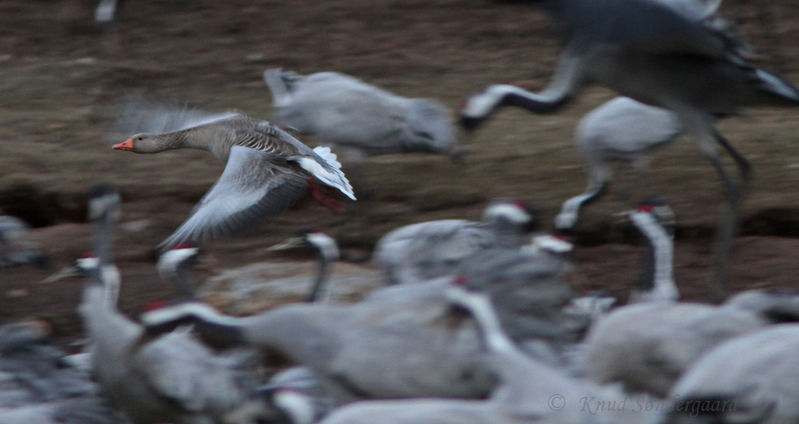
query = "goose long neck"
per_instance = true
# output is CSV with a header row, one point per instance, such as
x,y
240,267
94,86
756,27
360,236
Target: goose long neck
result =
x,y
211,138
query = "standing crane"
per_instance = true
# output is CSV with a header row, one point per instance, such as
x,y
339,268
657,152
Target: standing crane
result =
x,y
650,51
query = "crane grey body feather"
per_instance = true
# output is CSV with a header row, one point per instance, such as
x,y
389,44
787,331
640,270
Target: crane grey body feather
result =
x,y
348,112
759,373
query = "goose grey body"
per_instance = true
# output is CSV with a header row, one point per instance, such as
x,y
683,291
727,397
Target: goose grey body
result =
x,y
17,246
359,117
419,252
621,129
169,378
758,373
266,171
652,53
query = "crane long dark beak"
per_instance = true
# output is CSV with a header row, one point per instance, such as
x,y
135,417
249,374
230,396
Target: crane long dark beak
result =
x,y
68,272
288,244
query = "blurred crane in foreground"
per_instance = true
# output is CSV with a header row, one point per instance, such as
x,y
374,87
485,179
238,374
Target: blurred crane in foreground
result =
x,y
684,60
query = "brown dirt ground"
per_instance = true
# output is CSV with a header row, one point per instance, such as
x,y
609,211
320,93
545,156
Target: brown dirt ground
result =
x,y
61,76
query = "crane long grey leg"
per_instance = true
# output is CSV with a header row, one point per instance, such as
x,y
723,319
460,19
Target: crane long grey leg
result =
x,y
598,177
744,167
701,129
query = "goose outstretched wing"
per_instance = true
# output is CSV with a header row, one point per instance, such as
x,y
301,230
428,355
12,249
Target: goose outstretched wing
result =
x,y
254,186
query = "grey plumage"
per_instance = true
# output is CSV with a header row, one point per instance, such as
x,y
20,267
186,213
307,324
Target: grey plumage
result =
x,y
401,341
17,246
756,374
373,349
363,119
38,385
528,391
419,252
621,129
647,346
266,171
297,392
655,54
153,380
67,411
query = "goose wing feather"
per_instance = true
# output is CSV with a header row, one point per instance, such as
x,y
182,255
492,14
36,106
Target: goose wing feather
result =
x,y
320,161
254,186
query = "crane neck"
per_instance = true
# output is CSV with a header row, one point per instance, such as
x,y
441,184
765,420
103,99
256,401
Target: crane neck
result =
x,y
496,340
320,290
507,234
657,280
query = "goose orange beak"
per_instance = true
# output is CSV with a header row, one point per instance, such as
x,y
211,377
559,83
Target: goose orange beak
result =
x,y
126,145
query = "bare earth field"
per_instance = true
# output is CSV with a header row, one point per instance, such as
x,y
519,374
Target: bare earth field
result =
x,y
62,76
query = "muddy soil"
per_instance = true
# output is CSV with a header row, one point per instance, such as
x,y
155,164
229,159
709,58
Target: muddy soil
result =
x,y
62,78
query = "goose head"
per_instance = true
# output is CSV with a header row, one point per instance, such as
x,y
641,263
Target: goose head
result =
x,y
145,143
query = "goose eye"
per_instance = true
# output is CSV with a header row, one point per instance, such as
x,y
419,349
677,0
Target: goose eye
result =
x,y
138,138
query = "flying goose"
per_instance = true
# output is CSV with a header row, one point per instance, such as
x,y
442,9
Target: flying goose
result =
x,y
266,170
152,379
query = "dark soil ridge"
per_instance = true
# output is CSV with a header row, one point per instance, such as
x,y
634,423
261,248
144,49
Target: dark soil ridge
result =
x,y
43,208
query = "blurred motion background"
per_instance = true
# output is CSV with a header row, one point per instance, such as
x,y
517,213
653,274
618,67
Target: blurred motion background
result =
x,y
64,77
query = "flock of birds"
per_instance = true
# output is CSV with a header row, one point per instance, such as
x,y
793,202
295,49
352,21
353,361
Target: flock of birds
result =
x,y
477,323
